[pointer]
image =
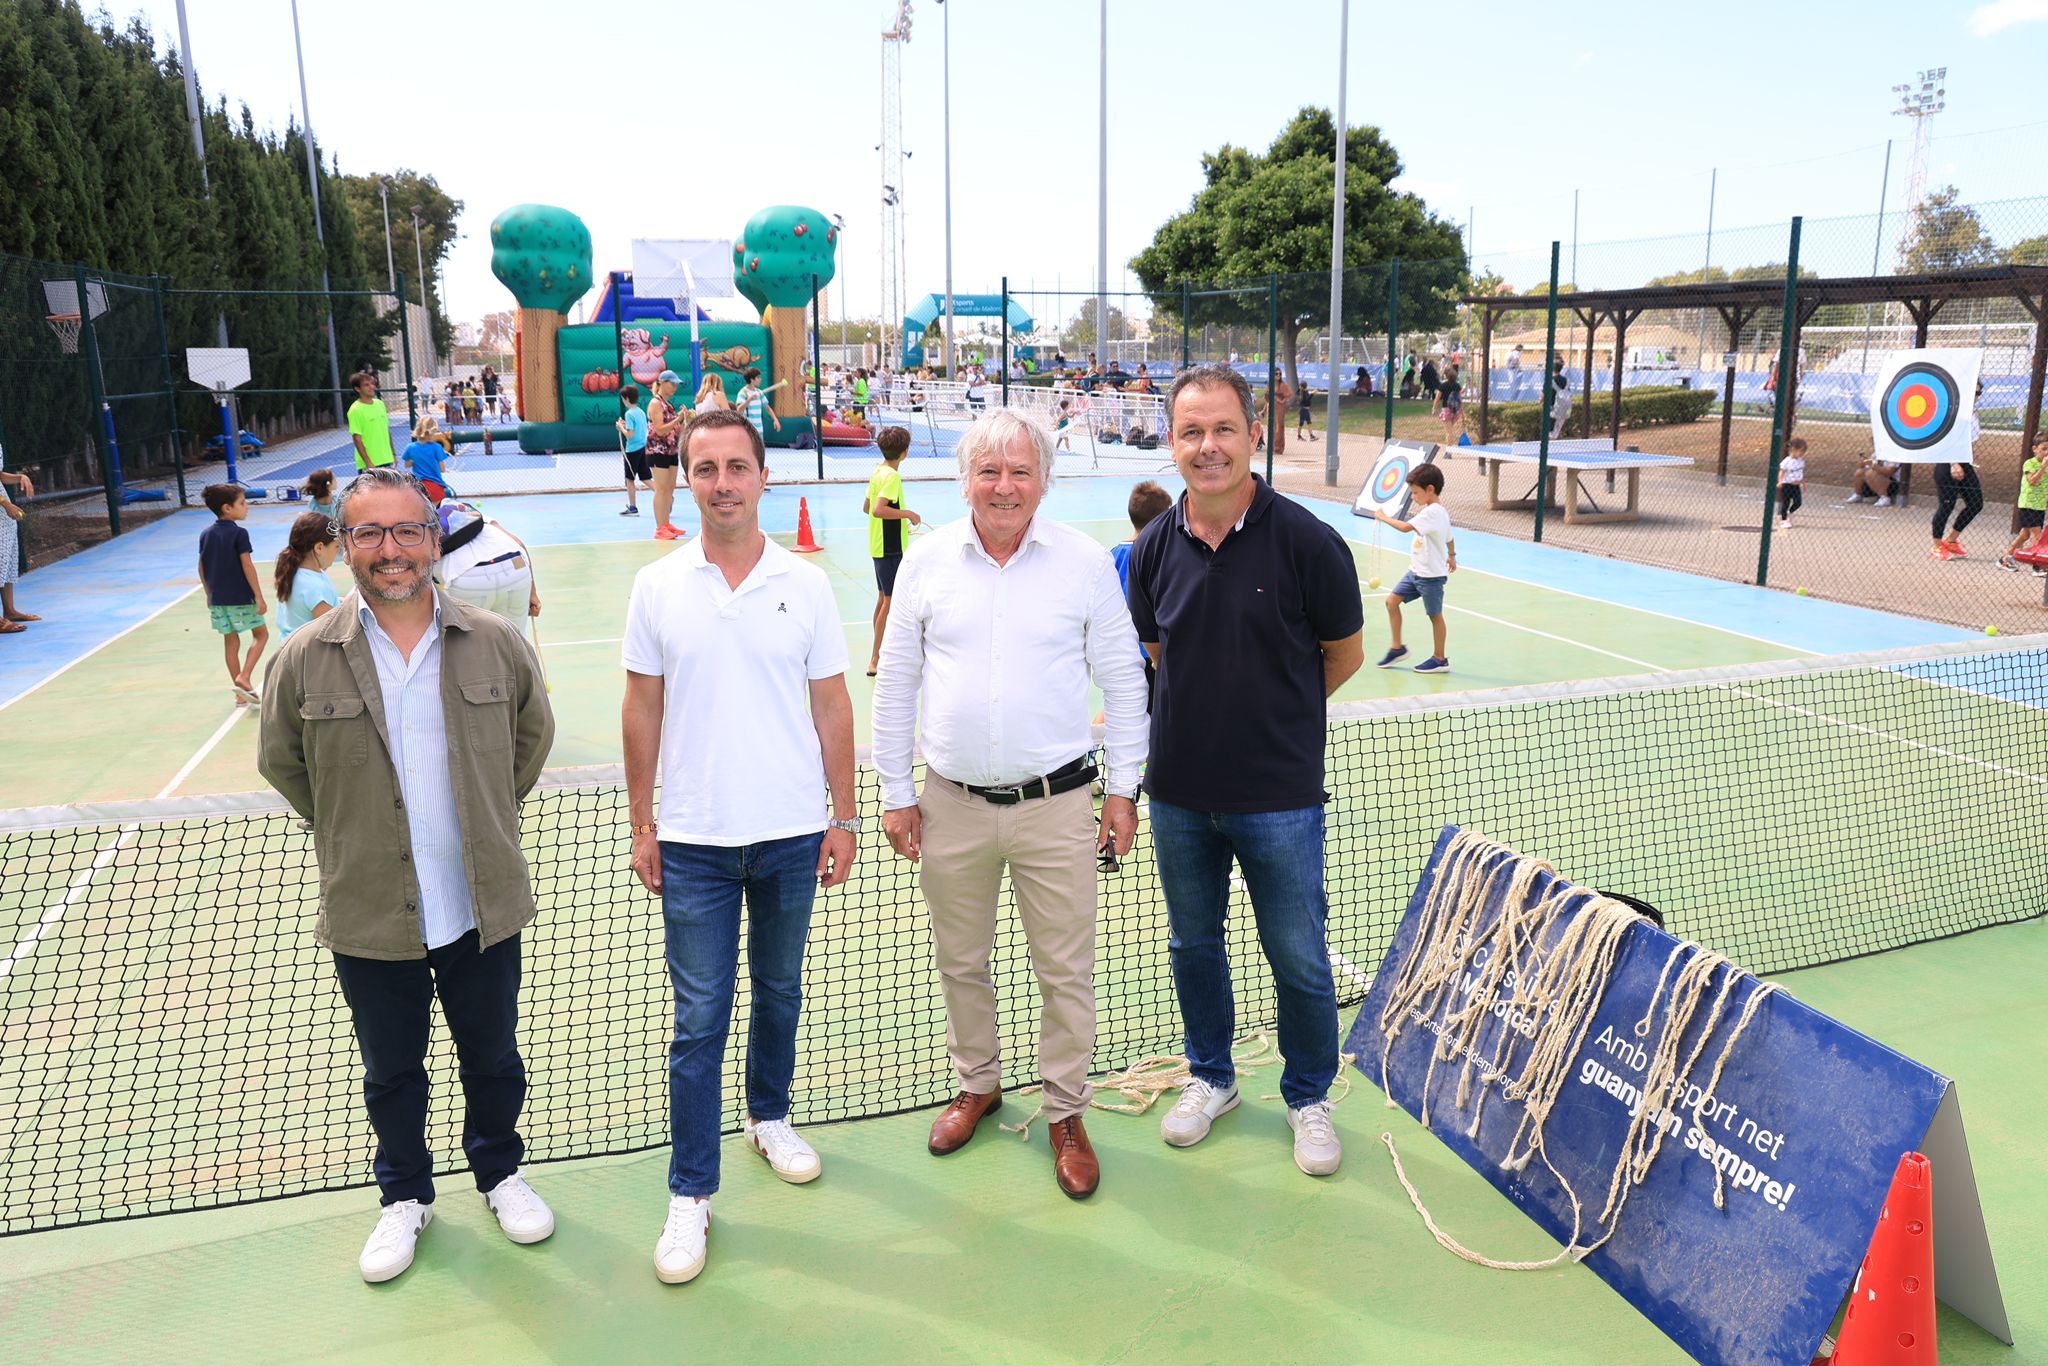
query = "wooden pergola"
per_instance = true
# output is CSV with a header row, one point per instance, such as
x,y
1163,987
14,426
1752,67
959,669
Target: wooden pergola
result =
x,y
1738,302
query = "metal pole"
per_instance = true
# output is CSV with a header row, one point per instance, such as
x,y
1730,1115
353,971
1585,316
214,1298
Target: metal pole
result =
x,y
419,259
1102,190
946,81
1549,389
1277,418
1336,358
1184,324
1788,371
110,455
619,330
1699,345
319,232
199,146
817,384
1884,186
163,351
1393,340
384,195
1003,331
412,416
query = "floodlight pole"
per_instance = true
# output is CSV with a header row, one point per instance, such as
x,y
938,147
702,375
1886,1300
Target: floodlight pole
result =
x,y
419,260
1336,363
946,83
384,194
319,232
1102,190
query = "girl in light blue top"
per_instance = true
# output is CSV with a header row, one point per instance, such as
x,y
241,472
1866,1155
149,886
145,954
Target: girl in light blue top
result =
x,y
303,589
319,491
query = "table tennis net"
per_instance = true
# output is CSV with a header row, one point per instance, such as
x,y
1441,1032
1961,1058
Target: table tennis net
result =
x,y
172,1039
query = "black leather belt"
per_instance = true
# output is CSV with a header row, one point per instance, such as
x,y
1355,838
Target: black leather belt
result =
x,y
1065,778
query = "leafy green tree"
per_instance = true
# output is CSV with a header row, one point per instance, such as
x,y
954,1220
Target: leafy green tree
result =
x,y
1258,215
1946,235
1079,333
2030,251
439,213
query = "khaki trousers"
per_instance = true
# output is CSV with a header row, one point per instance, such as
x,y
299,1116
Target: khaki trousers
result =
x,y
1048,844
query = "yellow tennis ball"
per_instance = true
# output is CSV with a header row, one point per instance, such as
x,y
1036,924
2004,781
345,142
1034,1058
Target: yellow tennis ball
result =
x,y
1372,583
1990,630
1800,591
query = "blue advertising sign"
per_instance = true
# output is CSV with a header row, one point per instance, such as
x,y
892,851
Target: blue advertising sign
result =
x,y
1803,1129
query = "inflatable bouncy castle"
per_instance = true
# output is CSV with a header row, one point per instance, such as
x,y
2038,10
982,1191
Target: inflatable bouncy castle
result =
x,y
570,374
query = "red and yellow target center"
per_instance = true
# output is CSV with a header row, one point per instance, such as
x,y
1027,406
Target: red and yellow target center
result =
x,y
1917,406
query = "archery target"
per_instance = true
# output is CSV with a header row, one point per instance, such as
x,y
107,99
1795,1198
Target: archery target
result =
x,y
1920,410
1386,488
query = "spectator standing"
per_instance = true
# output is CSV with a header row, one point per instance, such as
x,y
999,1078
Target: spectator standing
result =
x,y
1792,480
12,618
665,423
234,592
754,403
632,427
1450,406
1955,483
1560,402
369,423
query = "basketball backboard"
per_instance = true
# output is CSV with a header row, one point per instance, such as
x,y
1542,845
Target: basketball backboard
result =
x,y
218,368
60,297
683,268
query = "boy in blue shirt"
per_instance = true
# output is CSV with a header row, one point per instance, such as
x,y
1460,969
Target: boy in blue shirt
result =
x,y
632,425
234,590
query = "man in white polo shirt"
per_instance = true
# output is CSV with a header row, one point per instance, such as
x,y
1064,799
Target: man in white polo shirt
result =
x,y
736,692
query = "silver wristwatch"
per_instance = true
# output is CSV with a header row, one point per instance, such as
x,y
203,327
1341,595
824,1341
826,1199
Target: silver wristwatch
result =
x,y
851,827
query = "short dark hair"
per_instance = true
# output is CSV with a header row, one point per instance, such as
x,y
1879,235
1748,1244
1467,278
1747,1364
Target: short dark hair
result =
x,y
1148,500
711,419
1211,376
751,373
360,378
631,394
220,497
894,441
1426,477
1797,443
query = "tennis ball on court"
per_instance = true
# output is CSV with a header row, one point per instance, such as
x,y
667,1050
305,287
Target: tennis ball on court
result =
x,y
1800,591
1990,630
1372,583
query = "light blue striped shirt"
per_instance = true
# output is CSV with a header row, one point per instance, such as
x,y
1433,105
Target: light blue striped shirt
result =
x,y
415,720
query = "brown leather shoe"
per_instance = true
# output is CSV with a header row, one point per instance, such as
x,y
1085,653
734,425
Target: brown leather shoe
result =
x,y
955,1124
1073,1158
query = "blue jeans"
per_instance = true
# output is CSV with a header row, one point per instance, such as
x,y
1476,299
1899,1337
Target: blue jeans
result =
x,y
1281,856
701,889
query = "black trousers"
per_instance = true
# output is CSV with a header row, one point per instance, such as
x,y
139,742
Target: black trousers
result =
x,y
391,1003
1791,498
1950,490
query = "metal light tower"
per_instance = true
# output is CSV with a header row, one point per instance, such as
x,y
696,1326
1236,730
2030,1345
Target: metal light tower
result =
x,y
893,162
1920,100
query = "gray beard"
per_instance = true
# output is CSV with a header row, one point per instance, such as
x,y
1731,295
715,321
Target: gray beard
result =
x,y
371,588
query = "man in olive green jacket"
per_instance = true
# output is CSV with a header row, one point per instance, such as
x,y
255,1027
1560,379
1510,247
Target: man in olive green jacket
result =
x,y
406,727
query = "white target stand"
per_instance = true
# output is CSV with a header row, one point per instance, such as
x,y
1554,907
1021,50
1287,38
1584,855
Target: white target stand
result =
x,y
223,369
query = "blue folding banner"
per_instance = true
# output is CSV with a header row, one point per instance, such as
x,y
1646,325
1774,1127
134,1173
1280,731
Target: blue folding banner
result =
x,y
1804,1127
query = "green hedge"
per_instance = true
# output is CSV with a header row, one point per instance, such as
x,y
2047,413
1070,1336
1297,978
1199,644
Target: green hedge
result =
x,y
1643,407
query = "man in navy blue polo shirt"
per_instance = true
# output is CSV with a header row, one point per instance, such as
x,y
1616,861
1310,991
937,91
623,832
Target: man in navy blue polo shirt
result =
x,y
1250,607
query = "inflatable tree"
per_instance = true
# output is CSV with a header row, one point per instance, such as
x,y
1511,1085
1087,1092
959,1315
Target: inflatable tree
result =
x,y
774,264
542,254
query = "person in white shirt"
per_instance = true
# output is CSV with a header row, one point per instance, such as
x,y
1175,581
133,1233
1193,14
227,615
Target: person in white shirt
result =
x,y
736,697
485,565
998,625
1792,479
1431,561
1560,401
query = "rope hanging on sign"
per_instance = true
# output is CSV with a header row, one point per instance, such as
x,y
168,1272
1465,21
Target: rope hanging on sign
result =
x,y
1555,995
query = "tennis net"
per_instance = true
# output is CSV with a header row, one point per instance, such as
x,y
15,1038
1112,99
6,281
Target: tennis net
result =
x,y
172,1039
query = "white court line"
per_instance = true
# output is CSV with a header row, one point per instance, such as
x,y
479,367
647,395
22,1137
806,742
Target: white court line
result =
x,y
66,668
82,884
1562,640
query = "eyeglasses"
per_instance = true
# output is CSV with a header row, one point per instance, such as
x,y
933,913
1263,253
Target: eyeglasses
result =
x,y
369,536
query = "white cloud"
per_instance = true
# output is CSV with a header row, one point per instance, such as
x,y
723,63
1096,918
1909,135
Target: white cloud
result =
x,y
2000,15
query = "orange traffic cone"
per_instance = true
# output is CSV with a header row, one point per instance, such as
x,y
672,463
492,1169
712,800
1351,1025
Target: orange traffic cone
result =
x,y
1891,1312
806,543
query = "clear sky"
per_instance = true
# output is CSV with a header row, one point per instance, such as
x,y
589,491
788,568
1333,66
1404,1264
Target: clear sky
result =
x,y
680,119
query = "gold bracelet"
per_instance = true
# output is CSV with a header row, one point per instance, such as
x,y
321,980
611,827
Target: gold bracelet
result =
x,y
644,829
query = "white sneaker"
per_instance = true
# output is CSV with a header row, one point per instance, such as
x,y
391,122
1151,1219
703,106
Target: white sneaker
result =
x,y
1884,502
792,1159
389,1251
679,1256
1187,1123
523,1216
1316,1149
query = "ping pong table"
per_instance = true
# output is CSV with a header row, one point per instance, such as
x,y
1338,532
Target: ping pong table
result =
x,y
1574,460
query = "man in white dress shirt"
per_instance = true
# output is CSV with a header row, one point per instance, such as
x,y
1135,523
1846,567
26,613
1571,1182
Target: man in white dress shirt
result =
x,y
999,622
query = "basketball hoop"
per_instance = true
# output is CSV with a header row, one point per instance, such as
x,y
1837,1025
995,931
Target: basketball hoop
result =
x,y
67,326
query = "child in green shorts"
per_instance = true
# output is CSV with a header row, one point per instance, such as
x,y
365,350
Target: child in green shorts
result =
x,y
234,590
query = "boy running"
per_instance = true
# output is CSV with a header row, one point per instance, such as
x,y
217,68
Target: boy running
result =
x,y
632,425
1792,480
2033,505
234,590
1433,559
369,423
886,516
